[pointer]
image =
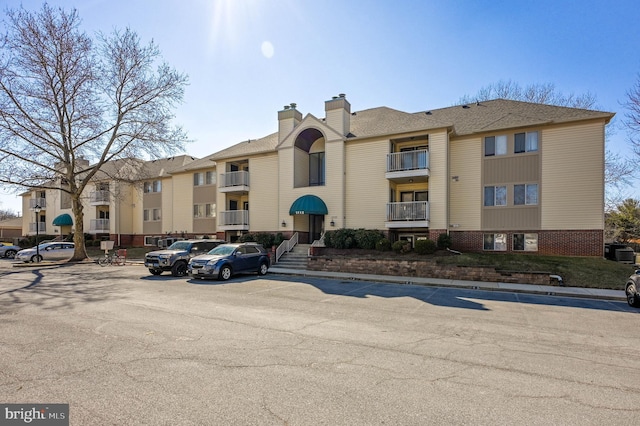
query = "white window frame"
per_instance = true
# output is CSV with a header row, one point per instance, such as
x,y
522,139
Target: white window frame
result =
x,y
530,242
499,145
530,199
498,241
210,178
497,191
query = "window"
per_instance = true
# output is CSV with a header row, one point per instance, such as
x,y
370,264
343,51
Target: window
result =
x,y
157,186
151,215
495,242
210,210
147,187
526,142
210,178
495,195
156,214
495,145
525,194
198,179
525,242
146,215
151,241
198,211
316,169
201,211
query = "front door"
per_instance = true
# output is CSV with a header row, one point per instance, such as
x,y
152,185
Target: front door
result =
x,y
316,226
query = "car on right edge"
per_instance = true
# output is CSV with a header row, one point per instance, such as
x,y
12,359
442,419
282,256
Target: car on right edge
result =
x,y
632,290
229,259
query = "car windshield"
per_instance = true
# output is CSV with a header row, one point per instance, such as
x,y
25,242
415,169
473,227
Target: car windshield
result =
x,y
222,250
180,245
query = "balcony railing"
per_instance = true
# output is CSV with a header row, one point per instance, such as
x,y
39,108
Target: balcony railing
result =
x,y
236,218
42,227
99,197
408,160
99,225
233,181
415,211
40,202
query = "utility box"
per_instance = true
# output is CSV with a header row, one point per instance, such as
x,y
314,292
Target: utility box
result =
x,y
625,255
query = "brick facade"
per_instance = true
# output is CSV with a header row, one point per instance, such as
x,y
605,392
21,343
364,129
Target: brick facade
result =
x,y
553,243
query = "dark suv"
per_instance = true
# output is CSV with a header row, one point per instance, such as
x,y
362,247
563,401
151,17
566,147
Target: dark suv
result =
x,y
228,259
632,290
177,255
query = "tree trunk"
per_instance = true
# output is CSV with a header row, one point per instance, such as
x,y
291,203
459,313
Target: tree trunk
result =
x,y
80,253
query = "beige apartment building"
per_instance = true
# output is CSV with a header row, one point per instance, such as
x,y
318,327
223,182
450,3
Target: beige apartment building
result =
x,y
500,176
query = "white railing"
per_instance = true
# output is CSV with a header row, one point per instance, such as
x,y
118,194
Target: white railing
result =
x,y
317,243
408,160
234,217
410,211
232,179
99,225
42,226
286,246
40,202
99,197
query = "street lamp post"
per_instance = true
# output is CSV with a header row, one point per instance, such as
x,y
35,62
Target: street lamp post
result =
x,y
37,209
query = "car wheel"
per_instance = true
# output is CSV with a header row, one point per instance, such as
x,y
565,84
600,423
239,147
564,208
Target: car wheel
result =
x,y
10,254
179,269
225,272
262,270
632,296
155,271
36,258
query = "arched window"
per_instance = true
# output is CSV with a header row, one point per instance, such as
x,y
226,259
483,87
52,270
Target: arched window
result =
x,y
309,159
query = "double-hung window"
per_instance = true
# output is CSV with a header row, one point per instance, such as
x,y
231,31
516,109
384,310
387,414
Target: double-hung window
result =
x,y
525,242
495,242
495,196
495,145
198,179
525,142
526,194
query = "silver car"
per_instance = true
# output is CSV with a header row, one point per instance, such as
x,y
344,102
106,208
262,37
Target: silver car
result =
x,y
47,251
9,251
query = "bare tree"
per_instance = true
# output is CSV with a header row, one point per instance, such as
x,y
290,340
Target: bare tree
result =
x,y
70,103
619,171
632,116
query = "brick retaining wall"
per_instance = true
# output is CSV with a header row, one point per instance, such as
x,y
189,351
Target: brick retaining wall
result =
x,y
424,268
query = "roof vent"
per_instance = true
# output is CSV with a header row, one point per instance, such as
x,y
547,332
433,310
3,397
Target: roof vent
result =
x,y
466,106
286,107
353,113
428,113
293,105
342,95
334,97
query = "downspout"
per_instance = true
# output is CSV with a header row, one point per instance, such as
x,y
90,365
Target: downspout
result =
x,y
448,182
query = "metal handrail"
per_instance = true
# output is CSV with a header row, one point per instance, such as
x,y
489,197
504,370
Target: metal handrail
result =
x,y
286,246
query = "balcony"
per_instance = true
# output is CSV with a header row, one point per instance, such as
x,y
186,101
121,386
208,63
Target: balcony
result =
x,y
40,202
99,198
234,220
408,166
42,227
99,226
408,215
234,182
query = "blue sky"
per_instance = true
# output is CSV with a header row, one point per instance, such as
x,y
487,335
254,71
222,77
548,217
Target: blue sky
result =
x,y
246,59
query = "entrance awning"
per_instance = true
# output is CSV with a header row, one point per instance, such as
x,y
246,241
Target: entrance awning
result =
x,y
308,204
63,220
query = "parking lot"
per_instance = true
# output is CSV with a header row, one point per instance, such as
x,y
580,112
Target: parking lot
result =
x,y
123,347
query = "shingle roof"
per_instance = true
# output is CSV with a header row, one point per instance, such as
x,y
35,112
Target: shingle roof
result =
x,y
485,116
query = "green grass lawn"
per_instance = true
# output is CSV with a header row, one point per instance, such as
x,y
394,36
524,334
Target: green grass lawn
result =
x,y
575,271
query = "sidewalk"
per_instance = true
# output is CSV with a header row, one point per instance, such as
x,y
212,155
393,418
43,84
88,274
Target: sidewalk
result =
x,y
589,293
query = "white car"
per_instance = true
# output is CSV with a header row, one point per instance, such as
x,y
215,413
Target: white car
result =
x,y
9,251
47,251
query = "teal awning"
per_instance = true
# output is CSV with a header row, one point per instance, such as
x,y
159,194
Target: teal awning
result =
x,y
308,204
63,220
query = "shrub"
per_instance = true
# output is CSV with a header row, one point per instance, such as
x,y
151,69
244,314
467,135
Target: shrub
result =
x,y
383,245
425,247
367,239
266,240
444,241
340,239
401,246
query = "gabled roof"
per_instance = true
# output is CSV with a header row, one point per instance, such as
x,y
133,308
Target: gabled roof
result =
x,y
502,114
486,116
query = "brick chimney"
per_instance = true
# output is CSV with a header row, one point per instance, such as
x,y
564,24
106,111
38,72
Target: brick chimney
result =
x,y
338,114
288,119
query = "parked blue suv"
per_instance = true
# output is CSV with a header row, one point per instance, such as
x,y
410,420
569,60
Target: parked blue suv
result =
x,y
228,259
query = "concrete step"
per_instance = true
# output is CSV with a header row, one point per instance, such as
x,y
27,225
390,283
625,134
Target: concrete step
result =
x,y
296,258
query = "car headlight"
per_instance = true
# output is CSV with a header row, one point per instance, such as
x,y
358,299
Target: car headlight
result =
x,y
164,256
212,262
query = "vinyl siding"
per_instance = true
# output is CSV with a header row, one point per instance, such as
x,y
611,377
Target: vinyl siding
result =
x,y
367,189
263,191
572,190
182,201
466,192
438,180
